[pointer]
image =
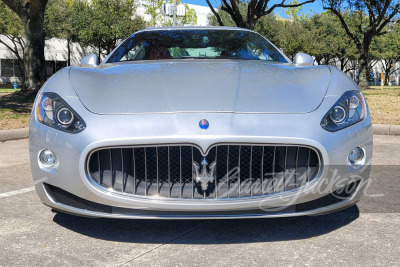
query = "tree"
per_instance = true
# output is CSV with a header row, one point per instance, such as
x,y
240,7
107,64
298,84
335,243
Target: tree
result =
x,y
103,23
386,48
328,42
31,12
273,28
296,13
12,29
59,22
154,9
378,15
256,9
225,17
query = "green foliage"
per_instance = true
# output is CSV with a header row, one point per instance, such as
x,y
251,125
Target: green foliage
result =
x,y
103,23
328,39
59,20
12,29
227,20
387,46
154,9
296,13
320,35
273,28
10,23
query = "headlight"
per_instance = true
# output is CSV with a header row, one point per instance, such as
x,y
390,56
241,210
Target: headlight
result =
x,y
52,111
349,110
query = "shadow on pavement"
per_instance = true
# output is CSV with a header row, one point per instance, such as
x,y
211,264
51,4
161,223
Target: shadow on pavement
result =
x,y
209,231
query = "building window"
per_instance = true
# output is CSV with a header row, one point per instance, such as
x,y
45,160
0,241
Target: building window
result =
x,y
7,67
17,69
54,66
10,68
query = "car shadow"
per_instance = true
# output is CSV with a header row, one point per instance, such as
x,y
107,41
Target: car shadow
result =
x,y
208,231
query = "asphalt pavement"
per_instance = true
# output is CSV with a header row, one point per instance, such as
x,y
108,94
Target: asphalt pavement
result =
x,y
367,234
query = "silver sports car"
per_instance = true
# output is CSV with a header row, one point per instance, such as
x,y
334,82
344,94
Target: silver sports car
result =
x,y
198,122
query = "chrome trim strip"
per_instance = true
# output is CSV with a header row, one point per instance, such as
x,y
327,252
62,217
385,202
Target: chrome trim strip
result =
x,y
262,170
216,173
158,184
145,172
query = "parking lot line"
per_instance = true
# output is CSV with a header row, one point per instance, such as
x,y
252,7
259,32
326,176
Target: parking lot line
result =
x,y
17,192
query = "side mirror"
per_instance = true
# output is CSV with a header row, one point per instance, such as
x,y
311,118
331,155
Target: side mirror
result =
x,y
90,60
302,59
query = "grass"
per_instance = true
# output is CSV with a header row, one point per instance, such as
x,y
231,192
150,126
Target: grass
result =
x,y
7,90
15,110
384,106
9,119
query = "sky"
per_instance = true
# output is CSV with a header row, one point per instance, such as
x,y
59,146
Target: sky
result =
x,y
314,7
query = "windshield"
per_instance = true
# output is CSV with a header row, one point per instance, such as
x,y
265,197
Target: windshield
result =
x,y
182,44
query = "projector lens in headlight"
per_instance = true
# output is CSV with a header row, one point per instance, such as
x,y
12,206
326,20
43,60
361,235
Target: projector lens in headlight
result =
x,y
65,116
47,157
338,114
356,155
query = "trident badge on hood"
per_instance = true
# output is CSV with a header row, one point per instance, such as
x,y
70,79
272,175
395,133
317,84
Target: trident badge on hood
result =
x,y
204,177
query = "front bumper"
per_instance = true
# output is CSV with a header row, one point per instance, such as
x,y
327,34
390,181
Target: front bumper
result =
x,y
69,203
147,129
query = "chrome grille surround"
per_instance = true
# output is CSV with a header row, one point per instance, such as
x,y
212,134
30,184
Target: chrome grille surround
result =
x,y
151,171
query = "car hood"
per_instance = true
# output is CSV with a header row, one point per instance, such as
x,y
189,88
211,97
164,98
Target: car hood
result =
x,y
238,86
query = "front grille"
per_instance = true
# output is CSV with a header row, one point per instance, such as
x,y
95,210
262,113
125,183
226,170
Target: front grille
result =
x,y
226,171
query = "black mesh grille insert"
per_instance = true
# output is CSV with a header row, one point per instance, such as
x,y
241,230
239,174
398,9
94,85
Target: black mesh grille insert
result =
x,y
227,171
333,198
63,197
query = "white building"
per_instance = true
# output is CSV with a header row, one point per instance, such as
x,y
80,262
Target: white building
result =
x,y
378,68
56,52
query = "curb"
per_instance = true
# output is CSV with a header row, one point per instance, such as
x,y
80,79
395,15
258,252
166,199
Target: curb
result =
x,y
16,134
385,129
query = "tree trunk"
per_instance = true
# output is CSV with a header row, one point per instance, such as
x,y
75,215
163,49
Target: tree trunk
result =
x,y
31,12
388,69
21,68
99,51
387,76
363,74
250,24
34,61
69,52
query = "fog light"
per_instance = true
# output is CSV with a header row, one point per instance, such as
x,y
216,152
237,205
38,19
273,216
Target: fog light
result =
x,y
47,157
356,155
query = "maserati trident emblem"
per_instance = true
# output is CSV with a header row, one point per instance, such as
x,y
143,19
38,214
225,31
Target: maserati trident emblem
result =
x,y
203,176
204,124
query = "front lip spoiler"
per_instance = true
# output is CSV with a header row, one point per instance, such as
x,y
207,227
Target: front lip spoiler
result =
x,y
308,208
322,211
